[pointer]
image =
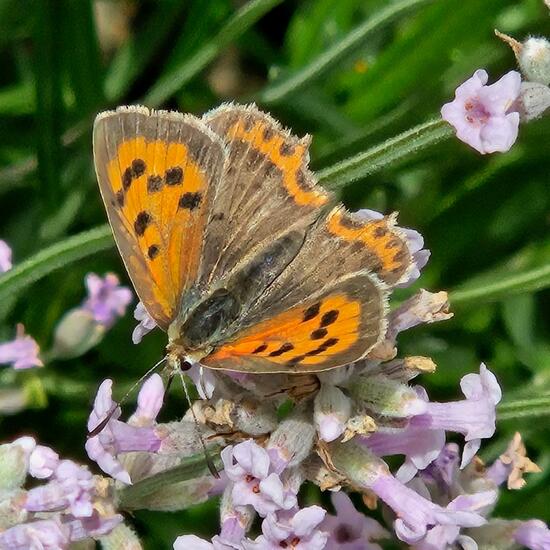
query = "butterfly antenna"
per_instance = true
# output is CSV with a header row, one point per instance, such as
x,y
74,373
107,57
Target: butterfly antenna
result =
x,y
209,462
99,428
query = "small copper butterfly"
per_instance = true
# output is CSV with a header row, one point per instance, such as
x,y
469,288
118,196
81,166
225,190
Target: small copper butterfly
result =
x,y
234,250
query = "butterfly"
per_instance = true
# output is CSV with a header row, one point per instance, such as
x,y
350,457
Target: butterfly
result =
x,y
234,250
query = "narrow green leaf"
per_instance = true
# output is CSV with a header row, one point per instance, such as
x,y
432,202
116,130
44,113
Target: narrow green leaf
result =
x,y
381,156
136,53
193,467
336,54
81,53
174,80
503,286
47,66
58,255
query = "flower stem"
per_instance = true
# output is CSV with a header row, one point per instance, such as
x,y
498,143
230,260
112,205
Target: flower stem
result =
x,y
381,156
502,286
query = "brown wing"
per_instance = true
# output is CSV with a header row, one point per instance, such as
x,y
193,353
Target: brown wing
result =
x,y
157,172
267,190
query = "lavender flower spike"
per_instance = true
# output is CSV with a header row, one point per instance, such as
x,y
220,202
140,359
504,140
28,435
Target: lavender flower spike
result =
x,y
22,352
296,529
107,300
474,417
255,482
484,116
349,529
533,534
117,437
146,323
5,257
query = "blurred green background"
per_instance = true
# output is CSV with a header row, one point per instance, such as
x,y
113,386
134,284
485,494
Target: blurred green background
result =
x,y
352,73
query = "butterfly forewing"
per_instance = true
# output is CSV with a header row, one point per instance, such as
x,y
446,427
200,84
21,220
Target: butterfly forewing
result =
x,y
157,172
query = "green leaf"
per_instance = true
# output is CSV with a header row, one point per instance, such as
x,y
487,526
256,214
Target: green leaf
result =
x,y
336,54
133,496
170,83
503,286
137,52
54,257
47,66
381,156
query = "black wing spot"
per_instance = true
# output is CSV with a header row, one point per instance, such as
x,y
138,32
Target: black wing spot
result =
x,y
174,176
261,348
127,179
329,317
319,333
190,200
287,346
286,149
311,312
329,343
143,219
153,251
138,168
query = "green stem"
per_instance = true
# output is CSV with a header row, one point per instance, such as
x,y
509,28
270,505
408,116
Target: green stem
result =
x,y
380,156
338,53
58,255
181,74
528,281
193,467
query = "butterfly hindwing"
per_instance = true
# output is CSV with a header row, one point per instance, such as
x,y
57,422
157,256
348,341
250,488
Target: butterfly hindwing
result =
x,y
333,327
327,308
157,173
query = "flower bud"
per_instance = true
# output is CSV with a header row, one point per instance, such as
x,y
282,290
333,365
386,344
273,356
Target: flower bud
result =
x,y
14,463
386,396
121,537
75,334
254,418
534,99
534,60
332,410
292,441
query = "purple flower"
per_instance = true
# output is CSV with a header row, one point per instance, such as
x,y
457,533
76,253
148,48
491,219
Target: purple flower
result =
x,y
416,515
22,352
39,535
107,300
255,481
71,488
419,445
146,323
533,534
204,380
349,529
43,462
484,116
149,402
332,410
442,537
415,244
296,529
423,307
474,417
116,437
5,257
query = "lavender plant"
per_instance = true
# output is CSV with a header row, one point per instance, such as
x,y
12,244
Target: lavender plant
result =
x,y
358,458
